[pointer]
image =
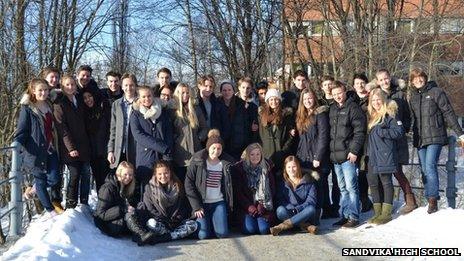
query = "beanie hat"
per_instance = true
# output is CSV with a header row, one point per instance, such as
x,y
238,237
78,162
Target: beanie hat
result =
x,y
272,93
213,137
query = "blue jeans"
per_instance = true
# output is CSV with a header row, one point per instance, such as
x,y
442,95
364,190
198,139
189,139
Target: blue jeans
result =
x,y
347,178
428,158
215,219
308,214
49,178
253,225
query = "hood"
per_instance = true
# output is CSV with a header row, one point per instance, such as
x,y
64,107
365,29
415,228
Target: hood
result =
x,y
392,108
26,101
322,109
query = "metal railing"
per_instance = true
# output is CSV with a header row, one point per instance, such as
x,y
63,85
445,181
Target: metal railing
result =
x,y
15,206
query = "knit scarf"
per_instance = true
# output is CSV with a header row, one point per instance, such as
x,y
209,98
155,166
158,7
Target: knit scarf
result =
x,y
258,182
165,197
151,113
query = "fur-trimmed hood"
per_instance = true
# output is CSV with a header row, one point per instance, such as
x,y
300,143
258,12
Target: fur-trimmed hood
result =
x,y
322,109
392,108
26,101
153,113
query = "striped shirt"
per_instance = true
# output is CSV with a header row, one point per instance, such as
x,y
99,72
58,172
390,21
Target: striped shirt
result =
x,y
213,183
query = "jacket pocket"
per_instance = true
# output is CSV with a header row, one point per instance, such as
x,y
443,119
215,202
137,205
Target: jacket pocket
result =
x,y
385,158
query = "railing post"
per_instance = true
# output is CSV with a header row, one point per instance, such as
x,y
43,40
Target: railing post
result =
x,y
451,172
16,199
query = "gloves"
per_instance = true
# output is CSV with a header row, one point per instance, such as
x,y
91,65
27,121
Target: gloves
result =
x,y
252,210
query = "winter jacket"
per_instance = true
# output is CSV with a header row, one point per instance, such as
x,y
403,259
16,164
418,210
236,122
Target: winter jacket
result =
x,y
237,133
91,87
347,130
116,136
276,139
30,133
432,114
97,121
187,140
109,96
313,144
383,142
291,98
70,123
148,208
154,140
244,195
302,196
195,180
217,120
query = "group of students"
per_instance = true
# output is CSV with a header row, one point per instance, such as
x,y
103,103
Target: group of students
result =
x,y
174,161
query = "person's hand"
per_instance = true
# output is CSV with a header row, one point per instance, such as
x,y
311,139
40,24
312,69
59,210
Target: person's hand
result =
x,y
316,163
261,209
252,210
351,157
461,141
111,158
199,213
293,132
130,209
74,153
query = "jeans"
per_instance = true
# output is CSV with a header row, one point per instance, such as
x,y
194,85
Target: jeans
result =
x,y
215,219
428,158
79,182
308,214
46,179
255,225
348,182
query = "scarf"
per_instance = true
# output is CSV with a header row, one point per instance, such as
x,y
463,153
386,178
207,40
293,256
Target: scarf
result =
x,y
151,113
165,198
258,182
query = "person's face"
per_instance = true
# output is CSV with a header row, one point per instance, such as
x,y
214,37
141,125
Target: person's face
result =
x,y
255,156
165,94
163,175
146,98
274,102
418,82
326,85
339,95
309,101
52,78
84,77
383,80
262,94
164,79
41,92
244,89
215,151
128,86
69,87
113,83
292,169
376,102
300,82
88,99
227,91
359,85
185,95
125,176
207,89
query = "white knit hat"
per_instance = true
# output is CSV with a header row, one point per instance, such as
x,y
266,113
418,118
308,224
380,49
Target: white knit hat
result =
x,y
272,93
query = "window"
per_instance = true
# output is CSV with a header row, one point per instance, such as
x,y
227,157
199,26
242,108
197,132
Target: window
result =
x,y
452,25
404,25
317,28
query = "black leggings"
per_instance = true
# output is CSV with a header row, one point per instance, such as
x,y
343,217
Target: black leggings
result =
x,y
387,184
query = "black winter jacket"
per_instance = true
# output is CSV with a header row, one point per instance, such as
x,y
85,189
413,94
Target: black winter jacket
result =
x,y
291,98
97,121
195,179
433,113
347,130
112,203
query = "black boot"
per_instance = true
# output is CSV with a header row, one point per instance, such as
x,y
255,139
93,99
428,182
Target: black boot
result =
x,y
160,239
141,235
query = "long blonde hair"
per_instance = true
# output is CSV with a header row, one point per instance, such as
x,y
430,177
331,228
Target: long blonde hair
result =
x,y
377,117
185,112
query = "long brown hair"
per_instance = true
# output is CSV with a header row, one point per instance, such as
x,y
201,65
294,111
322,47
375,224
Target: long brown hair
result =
x,y
175,181
270,116
306,117
31,87
298,166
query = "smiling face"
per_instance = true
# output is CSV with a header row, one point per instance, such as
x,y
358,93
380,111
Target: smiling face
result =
x,y
41,92
274,102
418,82
292,170
113,83
309,101
227,91
255,156
383,80
128,86
359,86
326,86
185,95
53,78
165,94
245,90
300,82
164,79
206,89
376,102
214,151
84,77
88,99
163,175
69,86
125,176
339,95
145,98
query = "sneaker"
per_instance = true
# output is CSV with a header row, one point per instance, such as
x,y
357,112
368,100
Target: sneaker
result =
x,y
351,223
341,222
57,207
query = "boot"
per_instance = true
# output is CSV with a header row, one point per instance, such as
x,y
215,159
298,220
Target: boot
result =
x,y
38,206
377,212
433,207
386,215
410,204
312,229
366,204
57,207
160,239
287,224
141,235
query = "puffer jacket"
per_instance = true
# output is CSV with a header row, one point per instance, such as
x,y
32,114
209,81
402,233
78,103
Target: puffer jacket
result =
x,y
302,196
383,142
347,130
113,199
195,179
433,113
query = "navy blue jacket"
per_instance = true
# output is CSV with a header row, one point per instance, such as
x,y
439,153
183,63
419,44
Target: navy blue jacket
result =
x,y
154,141
302,196
30,134
314,143
383,151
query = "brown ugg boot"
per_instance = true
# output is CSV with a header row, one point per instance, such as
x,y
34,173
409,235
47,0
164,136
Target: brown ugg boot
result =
x,y
312,229
57,207
433,207
410,204
287,224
